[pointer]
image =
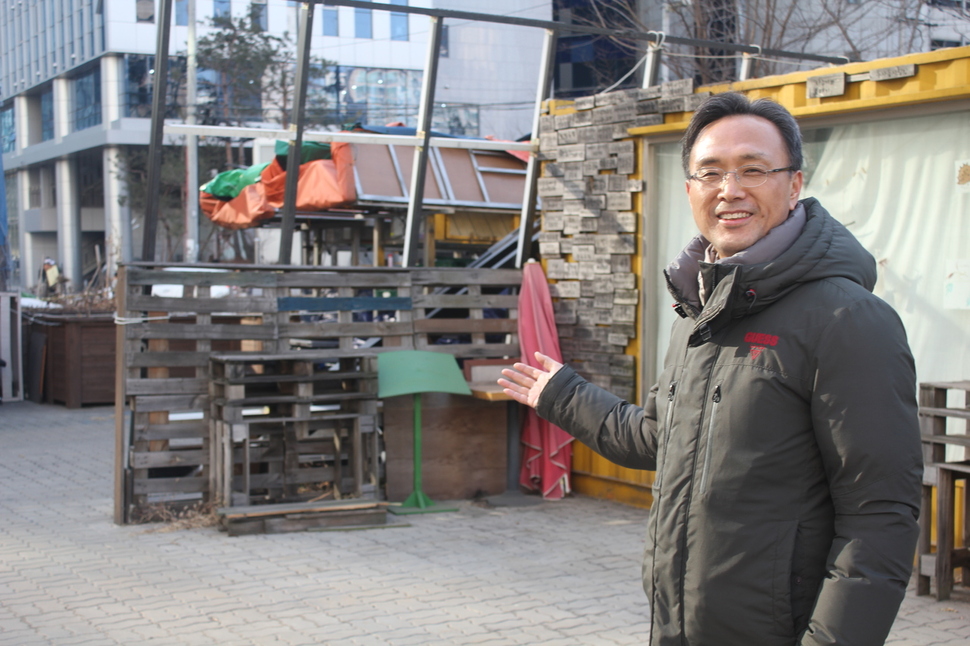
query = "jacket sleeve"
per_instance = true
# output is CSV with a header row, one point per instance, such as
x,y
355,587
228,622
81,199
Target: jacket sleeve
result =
x,y
621,432
864,412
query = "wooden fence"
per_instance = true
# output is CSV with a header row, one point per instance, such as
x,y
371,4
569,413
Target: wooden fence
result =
x,y
173,319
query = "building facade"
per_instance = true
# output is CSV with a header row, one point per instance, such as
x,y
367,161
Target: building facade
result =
x,y
76,91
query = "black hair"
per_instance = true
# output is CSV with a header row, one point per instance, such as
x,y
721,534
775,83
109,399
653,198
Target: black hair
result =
x,y
732,104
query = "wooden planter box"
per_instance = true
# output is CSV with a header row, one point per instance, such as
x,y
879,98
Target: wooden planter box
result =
x,y
78,358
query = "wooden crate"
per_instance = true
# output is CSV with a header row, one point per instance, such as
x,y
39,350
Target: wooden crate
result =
x,y
166,339
294,427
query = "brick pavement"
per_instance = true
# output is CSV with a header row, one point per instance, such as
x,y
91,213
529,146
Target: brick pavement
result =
x,y
548,573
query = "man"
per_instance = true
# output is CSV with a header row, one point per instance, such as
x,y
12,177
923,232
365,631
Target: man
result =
x,y
783,430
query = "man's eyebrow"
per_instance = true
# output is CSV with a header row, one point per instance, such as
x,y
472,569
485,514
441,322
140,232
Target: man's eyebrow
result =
x,y
714,161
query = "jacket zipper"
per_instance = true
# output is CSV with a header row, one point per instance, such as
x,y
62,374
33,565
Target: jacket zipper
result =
x,y
710,438
670,413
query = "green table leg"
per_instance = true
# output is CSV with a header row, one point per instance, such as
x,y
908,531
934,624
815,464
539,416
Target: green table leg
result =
x,y
418,502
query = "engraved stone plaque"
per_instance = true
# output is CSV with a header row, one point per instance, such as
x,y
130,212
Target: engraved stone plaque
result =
x,y
620,147
567,137
624,280
572,270
595,202
552,169
647,120
549,186
570,224
603,266
568,288
624,313
572,152
608,163
584,103
603,285
552,221
603,301
603,317
572,171
552,203
621,263
556,269
890,73
619,201
597,150
624,112
583,253
677,88
591,167
634,185
549,236
647,93
564,121
549,249
597,185
627,221
625,164
604,115
828,85
617,339
651,106
548,141
674,104
584,118
617,183
620,130
623,244
588,289
587,271
626,296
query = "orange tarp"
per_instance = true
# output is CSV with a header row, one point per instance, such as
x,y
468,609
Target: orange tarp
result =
x,y
323,184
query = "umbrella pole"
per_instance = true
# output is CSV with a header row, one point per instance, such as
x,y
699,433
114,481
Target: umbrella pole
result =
x,y
417,498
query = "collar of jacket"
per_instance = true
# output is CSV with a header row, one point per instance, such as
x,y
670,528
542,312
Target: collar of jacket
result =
x,y
824,249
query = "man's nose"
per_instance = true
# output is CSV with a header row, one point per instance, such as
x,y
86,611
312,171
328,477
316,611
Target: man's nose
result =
x,y
730,187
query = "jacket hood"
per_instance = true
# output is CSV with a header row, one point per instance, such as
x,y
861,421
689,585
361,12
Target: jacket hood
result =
x,y
825,249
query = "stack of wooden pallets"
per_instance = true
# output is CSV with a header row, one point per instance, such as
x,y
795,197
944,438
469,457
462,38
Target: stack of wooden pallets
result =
x,y
294,428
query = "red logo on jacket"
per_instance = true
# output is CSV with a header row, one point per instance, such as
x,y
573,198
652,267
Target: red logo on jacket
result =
x,y
759,341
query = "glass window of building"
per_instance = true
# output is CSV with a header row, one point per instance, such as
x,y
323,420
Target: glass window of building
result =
x,y
47,115
145,10
182,13
8,132
399,22
363,23
87,100
221,8
331,21
258,15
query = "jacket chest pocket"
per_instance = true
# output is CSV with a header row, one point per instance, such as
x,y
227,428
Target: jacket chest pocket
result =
x,y
665,436
709,437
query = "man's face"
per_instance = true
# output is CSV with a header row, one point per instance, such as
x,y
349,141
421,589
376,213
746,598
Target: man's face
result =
x,y
733,217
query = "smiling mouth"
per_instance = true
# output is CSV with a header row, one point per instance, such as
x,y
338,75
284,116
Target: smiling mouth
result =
x,y
733,216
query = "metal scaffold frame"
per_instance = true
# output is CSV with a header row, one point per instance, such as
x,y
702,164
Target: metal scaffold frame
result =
x,y
422,139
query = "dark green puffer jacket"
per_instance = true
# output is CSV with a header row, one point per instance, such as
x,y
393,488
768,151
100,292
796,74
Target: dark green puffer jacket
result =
x,y
784,434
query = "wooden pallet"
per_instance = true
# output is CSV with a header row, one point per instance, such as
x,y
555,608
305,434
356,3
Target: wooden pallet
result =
x,y
291,427
308,516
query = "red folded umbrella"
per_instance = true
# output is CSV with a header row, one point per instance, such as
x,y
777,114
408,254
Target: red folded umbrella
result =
x,y
547,449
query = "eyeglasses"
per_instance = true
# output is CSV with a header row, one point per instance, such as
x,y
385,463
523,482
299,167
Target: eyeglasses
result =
x,y
747,176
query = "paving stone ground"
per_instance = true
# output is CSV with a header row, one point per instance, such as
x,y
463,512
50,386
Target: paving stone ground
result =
x,y
556,573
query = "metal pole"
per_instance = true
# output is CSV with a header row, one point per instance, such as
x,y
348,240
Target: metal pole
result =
x,y
293,156
651,67
159,90
413,225
527,216
191,253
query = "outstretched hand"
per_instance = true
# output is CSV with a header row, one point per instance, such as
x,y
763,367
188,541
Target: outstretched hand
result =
x,y
524,384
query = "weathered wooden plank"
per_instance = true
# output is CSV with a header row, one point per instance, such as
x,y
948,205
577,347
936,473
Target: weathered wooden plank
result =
x,y
341,303
324,375
478,351
177,386
168,359
144,486
253,511
140,276
466,301
458,326
196,429
328,329
191,331
240,304
307,522
386,278
466,276
167,403
283,399
150,459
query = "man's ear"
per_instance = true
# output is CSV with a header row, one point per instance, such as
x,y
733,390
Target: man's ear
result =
x,y
797,180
